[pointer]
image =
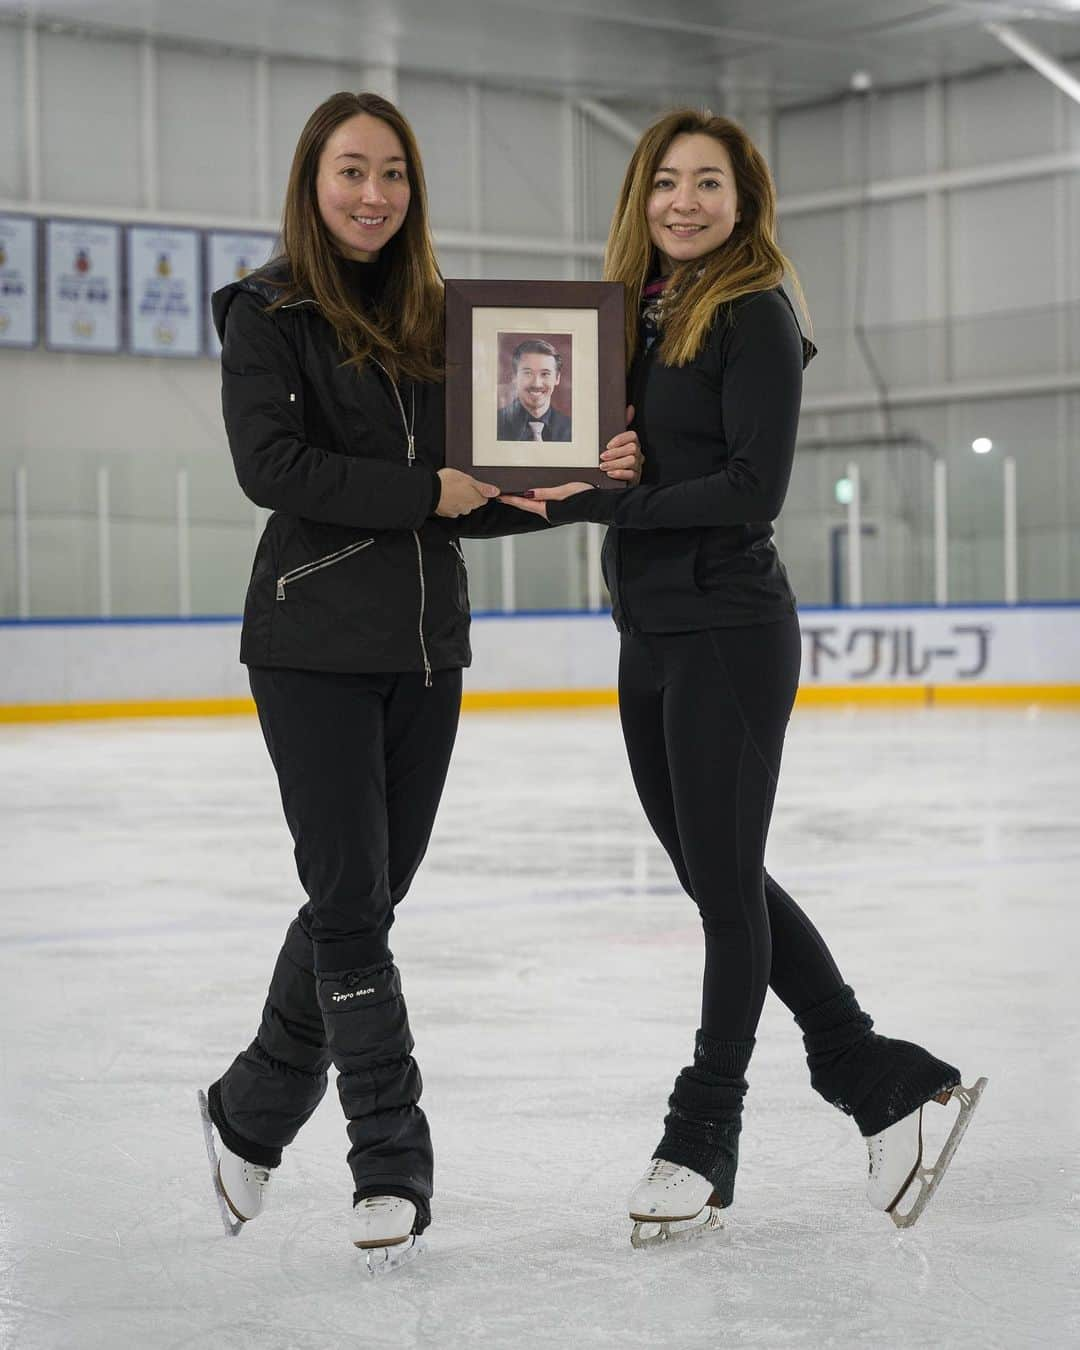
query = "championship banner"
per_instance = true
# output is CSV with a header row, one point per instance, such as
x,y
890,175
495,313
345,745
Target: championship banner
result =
x,y
164,285
82,286
18,281
230,256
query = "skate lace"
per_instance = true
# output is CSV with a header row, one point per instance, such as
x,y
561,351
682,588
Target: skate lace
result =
x,y
661,1170
377,1202
256,1176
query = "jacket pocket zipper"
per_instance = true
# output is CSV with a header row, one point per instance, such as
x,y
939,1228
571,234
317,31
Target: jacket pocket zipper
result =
x,y
328,561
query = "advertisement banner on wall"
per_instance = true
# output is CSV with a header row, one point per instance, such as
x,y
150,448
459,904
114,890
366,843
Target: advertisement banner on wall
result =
x,y
953,647
164,277
18,281
230,256
82,286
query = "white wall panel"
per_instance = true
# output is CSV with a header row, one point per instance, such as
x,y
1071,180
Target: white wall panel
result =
x,y
810,154
456,264
1001,247
999,116
898,133
12,119
439,113
895,290
1069,279
815,245
527,267
296,90
89,116
205,133
521,164
606,158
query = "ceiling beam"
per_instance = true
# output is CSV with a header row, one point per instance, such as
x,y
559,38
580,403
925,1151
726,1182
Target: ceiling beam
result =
x,y
610,120
1053,70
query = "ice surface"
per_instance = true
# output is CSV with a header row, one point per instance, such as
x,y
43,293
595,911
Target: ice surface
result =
x,y
551,969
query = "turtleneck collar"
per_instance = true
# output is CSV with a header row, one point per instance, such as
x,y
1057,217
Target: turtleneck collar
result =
x,y
365,280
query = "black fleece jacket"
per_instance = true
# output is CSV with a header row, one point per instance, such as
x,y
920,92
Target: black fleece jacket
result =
x,y
691,546
354,572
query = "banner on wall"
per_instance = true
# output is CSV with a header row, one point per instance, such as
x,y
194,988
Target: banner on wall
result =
x,y
164,283
18,281
230,256
941,646
82,286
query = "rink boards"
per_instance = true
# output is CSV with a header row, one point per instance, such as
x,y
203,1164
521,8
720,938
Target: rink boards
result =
x,y
60,669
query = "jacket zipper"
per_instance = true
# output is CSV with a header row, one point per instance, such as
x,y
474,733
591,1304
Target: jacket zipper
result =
x,y
409,424
461,556
327,561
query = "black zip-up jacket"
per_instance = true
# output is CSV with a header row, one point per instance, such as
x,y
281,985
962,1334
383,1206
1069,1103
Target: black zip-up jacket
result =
x,y
353,572
691,546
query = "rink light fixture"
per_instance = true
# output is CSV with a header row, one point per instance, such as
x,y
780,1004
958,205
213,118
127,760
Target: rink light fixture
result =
x,y
982,445
844,491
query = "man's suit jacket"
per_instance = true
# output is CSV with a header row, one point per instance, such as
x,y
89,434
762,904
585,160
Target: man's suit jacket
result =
x,y
513,424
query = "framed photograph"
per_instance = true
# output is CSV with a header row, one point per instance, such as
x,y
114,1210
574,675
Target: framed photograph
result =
x,y
535,380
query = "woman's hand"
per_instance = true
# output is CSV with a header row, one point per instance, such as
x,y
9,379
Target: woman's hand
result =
x,y
462,493
622,457
536,499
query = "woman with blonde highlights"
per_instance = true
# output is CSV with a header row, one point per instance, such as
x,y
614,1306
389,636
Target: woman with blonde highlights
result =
x,y
710,653
356,630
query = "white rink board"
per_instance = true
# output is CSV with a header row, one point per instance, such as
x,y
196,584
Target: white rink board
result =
x,y
122,661
949,646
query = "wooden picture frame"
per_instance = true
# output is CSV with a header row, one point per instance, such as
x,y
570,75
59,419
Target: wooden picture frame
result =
x,y
535,380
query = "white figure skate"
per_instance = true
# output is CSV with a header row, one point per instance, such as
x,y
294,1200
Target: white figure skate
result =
x,y
383,1230
896,1158
240,1186
669,1194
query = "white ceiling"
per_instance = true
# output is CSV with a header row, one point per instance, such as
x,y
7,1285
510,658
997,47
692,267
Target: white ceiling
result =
x,y
759,51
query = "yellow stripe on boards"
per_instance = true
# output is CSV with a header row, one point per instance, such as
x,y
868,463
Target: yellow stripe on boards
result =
x,y
861,695
510,700
951,694
498,700
93,712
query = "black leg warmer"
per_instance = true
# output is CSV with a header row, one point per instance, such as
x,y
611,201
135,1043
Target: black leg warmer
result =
x,y
701,1129
367,1029
872,1078
271,1089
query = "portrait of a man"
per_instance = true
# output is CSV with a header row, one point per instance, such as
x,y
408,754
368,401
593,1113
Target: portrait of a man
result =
x,y
531,414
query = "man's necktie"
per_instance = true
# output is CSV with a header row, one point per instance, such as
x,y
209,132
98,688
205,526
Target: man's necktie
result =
x,y
537,429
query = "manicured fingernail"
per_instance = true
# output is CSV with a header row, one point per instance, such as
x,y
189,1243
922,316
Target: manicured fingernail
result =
x,y
528,493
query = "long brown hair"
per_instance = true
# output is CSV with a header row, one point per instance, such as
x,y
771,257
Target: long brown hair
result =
x,y
749,260
405,332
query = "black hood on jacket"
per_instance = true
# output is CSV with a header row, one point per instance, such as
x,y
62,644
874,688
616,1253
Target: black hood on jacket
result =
x,y
266,283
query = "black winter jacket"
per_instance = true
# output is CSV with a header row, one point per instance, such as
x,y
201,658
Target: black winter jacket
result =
x,y
691,546
353,572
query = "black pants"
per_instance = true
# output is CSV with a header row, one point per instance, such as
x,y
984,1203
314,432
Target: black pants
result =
x,y
704,716
361,761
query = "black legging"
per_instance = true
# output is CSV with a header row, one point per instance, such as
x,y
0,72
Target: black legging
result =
x,y
704,716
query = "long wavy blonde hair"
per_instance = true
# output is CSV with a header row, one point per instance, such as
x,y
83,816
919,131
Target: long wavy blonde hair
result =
x,y
749,260
405,333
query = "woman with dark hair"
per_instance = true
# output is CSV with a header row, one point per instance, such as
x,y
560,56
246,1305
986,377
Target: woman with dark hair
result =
x,y
356,629
710,653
